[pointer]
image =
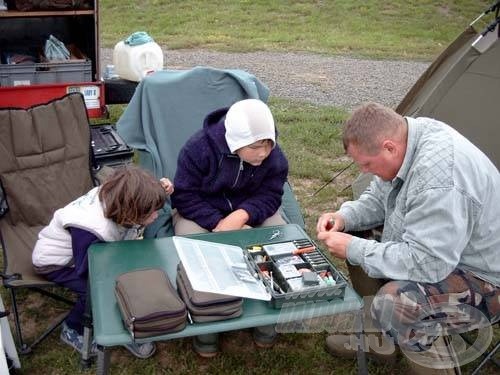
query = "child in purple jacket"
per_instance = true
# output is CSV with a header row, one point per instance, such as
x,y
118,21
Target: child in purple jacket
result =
x,y
230,175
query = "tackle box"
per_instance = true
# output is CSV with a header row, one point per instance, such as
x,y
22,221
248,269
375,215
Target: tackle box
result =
x,y
286,269
295,271
109,148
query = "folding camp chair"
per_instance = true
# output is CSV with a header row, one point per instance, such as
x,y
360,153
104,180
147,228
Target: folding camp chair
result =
x,y
488,355
169,106
45,163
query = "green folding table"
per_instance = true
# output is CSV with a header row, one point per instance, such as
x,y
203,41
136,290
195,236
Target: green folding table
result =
x,y
108,260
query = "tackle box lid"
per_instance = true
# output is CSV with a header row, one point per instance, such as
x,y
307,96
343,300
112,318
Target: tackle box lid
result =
x,y
219,268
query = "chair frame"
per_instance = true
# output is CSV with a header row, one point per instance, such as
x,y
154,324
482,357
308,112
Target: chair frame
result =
x,y
488,356
22,346
11,281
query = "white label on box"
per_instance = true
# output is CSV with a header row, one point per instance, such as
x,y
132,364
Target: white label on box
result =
x,y
91,103
91,94
24,82
282,248
289,270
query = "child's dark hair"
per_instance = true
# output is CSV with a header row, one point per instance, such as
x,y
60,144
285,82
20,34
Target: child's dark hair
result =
x,y
130,195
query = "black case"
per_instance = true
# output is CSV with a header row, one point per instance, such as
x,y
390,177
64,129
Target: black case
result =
x,y
284,289
109,148
118,90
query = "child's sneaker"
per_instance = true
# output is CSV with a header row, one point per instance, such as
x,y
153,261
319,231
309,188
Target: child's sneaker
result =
x,y
143,351
73,339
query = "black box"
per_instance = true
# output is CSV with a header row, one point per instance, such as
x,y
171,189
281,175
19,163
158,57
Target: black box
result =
x,y
109,148
118,90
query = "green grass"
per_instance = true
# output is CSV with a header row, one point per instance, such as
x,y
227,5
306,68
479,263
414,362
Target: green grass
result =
x,y
417,29
310,136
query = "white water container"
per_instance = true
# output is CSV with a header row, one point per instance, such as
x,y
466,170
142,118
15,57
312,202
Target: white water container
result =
x,y
135,62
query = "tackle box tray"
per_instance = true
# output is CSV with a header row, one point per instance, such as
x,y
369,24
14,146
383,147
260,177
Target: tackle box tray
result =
x,y
109,148
295,271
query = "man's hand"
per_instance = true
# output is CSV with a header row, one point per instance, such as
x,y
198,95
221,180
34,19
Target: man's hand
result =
x,y
330,221
336,242
235,220
167,185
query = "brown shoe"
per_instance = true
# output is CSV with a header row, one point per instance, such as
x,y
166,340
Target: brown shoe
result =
x,y
380,349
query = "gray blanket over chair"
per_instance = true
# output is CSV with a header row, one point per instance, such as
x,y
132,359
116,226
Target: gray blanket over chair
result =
x,y
169,106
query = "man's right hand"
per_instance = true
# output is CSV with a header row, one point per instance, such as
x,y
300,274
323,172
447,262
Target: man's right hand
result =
x,y
336,242
330,222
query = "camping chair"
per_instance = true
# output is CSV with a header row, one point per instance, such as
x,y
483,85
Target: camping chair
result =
x,y
45,163
487,356
169,106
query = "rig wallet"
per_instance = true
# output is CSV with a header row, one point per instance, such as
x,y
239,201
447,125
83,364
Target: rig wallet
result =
x,y
149,304
206,307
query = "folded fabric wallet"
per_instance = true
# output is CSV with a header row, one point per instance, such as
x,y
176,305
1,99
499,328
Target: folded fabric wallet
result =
x,y
149,304
206,307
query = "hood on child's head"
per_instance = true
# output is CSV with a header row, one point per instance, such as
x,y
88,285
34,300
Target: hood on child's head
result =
x,y
247,122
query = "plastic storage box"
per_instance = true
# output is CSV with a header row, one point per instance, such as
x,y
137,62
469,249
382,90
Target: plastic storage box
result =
x,y
285,273
43,73
296,272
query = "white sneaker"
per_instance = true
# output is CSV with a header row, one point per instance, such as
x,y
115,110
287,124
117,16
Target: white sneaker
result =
x,y
72,338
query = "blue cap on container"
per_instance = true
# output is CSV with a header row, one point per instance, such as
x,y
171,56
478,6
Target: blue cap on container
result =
x,y
137,38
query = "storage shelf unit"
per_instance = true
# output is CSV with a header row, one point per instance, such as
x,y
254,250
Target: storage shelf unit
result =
x,y
26,33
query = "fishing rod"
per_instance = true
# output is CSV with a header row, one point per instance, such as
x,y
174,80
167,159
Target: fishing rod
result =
x,y
332,179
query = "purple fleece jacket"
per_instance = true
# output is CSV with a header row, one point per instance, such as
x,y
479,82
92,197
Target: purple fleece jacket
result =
x,y
210,182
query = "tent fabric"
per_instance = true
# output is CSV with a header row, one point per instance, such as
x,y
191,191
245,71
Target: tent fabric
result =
x,y
169,106
461,88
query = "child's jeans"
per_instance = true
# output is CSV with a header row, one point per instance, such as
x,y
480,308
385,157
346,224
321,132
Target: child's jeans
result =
x,y
68,278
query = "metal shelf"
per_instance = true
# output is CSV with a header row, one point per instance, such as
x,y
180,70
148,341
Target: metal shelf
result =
x,y
45,13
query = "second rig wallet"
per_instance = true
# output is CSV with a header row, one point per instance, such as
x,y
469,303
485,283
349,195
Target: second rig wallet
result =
x,y
149,304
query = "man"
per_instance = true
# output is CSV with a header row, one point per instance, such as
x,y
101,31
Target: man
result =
x,y
438,199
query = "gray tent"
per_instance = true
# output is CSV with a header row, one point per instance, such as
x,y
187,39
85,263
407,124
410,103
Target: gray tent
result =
x,y
462,87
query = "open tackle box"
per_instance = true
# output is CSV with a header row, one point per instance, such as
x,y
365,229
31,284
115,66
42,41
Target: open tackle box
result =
x,y
295,271
279,264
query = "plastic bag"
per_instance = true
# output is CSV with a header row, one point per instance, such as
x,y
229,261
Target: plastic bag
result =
x,y
55,49
137,38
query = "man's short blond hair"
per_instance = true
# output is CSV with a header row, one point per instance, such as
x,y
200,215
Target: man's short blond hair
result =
x,y
370,124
